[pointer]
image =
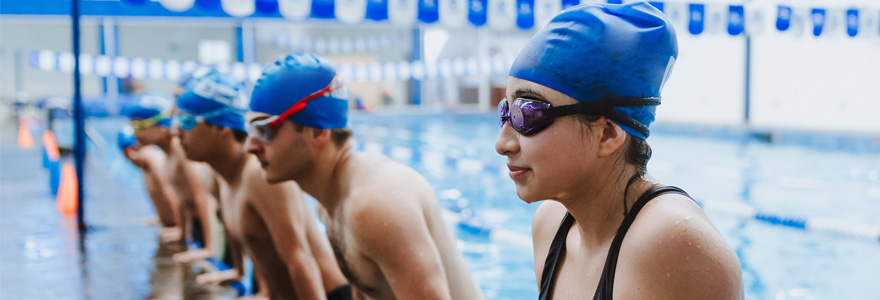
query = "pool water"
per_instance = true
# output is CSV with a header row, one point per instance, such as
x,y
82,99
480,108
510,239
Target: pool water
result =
x,y
456,153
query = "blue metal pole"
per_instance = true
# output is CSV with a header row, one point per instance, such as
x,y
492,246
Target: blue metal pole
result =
x,y
746,115
239,44
416,85
79,125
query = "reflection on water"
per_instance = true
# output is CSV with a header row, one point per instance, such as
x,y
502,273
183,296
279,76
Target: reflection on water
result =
x,y
171,280
166,276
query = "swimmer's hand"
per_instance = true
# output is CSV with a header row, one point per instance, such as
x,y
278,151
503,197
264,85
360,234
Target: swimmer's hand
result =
x,y
220,277
137,158
170,234
192,255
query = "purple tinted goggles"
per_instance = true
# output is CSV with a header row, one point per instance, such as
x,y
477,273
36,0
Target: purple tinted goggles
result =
x,y
530,116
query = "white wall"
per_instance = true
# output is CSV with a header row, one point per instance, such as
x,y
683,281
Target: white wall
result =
x,y
24,35
798,81
828,82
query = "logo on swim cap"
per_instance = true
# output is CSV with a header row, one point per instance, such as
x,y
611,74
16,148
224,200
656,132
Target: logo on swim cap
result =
x,y
213,90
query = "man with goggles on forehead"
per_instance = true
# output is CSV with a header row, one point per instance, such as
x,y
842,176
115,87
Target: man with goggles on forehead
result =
x,y
580,98
270,223
382,218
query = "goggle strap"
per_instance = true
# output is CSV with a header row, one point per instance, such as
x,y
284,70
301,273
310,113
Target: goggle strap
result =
x,y
605,107
629,122
601,106
301,104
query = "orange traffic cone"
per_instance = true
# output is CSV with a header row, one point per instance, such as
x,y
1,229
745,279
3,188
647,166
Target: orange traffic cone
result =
x,y
51,146
67,191
25,138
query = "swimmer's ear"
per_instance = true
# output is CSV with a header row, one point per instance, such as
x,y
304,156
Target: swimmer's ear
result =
x,y
611,137
320,136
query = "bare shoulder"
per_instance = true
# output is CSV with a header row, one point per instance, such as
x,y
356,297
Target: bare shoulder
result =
x,y
673,251
545,223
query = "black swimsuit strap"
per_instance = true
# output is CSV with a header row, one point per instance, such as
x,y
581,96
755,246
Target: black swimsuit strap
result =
x,y
606,281
557,251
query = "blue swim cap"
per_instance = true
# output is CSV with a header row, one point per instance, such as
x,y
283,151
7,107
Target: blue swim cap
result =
x,y
599,51
293,78
126,138
150,105
215,96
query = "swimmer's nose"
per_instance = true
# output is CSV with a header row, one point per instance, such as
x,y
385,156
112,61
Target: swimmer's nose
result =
x,y
253,146
507,142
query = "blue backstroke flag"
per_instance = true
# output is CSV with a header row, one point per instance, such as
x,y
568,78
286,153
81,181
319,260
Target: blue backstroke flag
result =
x,y
428,11
323,9
525,14
736,19
783,19
818,17
477,12
852,22
695,25
377,10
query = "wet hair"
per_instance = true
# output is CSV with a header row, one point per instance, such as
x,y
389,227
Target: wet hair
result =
x,y
637,152
338,135
239,135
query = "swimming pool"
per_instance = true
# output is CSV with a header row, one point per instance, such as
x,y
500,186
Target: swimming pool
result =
x,y
731,177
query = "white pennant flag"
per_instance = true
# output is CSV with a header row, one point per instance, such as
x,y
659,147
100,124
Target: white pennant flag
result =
x,y
759,17
834,23
501,14
238,8
295,9
678,15
177,5
715,17
801,22
868,18
545,10
453,13
351,11
402,12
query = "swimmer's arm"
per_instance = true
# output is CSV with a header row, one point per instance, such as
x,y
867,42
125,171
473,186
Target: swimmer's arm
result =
x,y
160,193
236,254
395,235
277,208
687,259
206,206
158,187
